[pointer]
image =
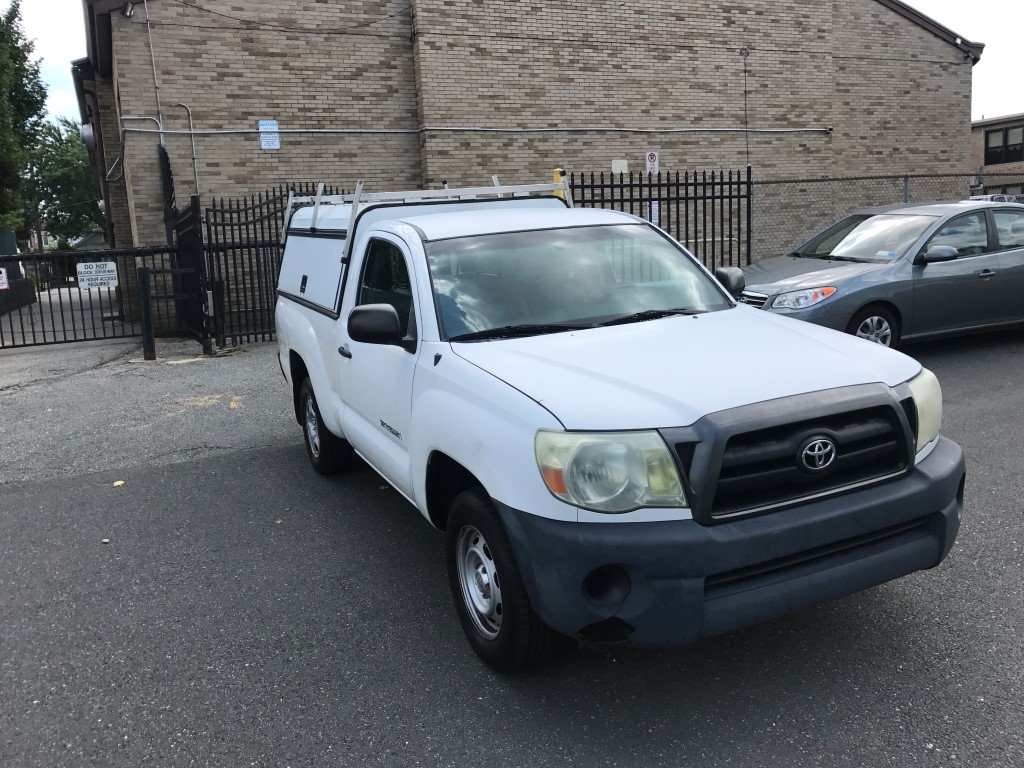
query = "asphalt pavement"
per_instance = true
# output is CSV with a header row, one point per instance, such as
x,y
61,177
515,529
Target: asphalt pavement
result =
x,y
225,606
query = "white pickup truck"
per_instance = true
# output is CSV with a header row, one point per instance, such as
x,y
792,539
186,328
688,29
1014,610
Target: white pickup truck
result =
x,y
615,449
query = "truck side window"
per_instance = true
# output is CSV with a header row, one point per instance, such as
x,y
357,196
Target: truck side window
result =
x,y
386,280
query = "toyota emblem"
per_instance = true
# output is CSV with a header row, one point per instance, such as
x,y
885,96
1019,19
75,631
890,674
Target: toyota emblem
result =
x,y
818,454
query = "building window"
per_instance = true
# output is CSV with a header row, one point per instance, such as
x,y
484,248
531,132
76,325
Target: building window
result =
x,y
1004,145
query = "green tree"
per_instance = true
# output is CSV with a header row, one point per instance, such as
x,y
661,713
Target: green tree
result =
x,y
22,99
59,187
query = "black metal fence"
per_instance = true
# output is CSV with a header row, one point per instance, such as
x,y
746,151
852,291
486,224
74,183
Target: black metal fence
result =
x,y
709,213
61,296
243,247
723,217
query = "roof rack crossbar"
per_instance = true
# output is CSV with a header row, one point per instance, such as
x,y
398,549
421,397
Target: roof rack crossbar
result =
x,y
317,199
346,250
452,193
287,216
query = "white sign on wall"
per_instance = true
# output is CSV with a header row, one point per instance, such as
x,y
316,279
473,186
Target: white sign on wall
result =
x,y
270,136
653,161
97,274
4,285
655,217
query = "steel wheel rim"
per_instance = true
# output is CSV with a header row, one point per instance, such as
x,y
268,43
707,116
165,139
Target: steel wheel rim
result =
x,y
478,579
312,429
876,329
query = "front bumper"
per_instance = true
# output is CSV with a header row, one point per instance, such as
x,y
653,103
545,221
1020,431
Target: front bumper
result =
x,y
671,583
819,314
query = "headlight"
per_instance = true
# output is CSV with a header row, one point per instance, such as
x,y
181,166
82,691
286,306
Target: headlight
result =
x,y
801,299
609,471
928,402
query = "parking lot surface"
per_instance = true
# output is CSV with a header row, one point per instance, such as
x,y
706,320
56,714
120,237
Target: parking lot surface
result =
x,y
244,611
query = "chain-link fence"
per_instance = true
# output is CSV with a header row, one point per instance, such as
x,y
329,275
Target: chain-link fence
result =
x,y
787,212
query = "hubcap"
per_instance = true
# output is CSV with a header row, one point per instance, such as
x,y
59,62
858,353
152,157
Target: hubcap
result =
x,y
875,329
478,578
312,429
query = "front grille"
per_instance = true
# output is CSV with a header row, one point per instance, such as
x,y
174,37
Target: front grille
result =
x,y
755,300
763,468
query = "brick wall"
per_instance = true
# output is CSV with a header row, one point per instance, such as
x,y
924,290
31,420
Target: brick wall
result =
x,y
896,96
232,74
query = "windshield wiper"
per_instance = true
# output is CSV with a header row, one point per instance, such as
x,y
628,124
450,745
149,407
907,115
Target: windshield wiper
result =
x,y
651,314
513,331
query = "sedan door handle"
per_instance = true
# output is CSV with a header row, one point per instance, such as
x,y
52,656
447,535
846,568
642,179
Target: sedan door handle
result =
x,y
987,273
343,351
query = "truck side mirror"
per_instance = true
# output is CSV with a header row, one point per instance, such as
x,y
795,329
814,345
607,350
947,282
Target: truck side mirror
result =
x,y
939,253
375,324
732,278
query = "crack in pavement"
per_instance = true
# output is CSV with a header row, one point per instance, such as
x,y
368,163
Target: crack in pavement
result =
x,y
22,385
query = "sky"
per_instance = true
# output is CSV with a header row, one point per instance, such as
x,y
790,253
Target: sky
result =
x,y
58,29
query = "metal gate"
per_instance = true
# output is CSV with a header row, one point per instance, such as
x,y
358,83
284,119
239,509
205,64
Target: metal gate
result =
x,y
183,284
243,245
62,296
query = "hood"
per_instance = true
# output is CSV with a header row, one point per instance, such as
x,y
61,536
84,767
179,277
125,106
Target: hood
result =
x,y
673,371
792,273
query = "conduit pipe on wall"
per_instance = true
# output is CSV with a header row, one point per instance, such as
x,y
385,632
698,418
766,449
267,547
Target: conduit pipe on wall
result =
x,y
195,161
466,129
124,130
152,59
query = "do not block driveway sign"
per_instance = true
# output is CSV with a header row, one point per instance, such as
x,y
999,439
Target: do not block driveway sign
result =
x,y
97,274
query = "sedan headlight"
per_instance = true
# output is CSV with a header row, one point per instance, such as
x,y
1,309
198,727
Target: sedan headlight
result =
x,y
928,402
801,299
609,471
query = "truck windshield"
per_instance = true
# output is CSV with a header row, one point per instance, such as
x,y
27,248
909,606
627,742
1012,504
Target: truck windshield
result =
x,y
577,276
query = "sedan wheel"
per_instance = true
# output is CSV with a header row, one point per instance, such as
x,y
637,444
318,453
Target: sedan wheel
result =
x,y
875,324
876,329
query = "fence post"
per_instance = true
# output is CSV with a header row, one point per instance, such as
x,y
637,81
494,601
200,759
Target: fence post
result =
x,y
906,189
750,208
146,312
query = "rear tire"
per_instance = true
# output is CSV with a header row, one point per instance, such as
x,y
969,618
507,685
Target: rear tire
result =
x,y
488,590
327,452
876,324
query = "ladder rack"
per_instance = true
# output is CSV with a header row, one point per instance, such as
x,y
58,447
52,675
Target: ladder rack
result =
x,y
359,200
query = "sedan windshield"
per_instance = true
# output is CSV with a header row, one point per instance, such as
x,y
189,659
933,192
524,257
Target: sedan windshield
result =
x,y
525,283
883,237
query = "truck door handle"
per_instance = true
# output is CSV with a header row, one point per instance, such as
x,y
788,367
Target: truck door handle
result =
x,y
343,351
986,273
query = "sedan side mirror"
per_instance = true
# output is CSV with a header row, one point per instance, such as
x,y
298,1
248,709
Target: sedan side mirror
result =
x,y
732,278
939,253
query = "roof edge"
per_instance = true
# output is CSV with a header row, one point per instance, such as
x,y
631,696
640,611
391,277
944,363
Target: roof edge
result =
x,y
1019,117
970,49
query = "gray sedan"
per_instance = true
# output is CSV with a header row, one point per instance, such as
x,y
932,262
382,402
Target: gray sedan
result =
x,y
904,272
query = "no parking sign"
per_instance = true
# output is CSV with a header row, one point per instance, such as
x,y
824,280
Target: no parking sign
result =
x,y
653,161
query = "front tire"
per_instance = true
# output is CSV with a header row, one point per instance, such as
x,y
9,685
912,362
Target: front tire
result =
x,y
488,590
328,453
875,324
